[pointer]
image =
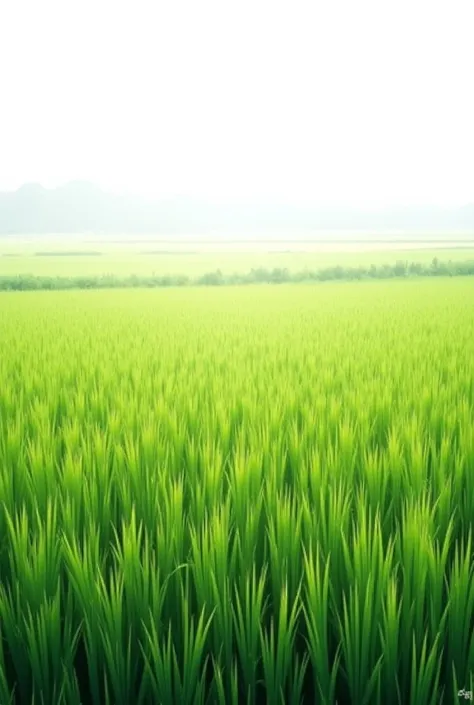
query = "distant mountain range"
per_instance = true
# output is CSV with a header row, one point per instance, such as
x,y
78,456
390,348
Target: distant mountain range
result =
x,y
82,208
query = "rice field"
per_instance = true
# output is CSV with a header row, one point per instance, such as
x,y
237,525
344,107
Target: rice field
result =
x,y
246,495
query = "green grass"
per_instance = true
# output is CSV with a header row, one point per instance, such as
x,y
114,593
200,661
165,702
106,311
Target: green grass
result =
x,y
242,495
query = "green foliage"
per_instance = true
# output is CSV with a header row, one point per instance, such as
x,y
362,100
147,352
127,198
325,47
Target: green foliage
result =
x,y
256,495
261,275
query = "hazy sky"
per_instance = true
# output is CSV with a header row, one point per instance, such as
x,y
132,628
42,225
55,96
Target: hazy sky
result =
x,y
357,102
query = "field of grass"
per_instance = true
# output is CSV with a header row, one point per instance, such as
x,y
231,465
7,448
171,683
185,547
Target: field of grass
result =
x,y
244,495
146,260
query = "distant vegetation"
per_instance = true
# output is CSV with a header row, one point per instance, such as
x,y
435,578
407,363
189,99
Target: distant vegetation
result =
x,y
66,253
256,276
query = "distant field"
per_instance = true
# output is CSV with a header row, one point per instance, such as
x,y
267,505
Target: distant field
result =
x,y
48,259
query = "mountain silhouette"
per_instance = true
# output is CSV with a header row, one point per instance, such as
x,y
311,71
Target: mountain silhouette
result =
x,y
81,207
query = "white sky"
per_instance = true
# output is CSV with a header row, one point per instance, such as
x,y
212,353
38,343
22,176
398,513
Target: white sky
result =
x,y
366,103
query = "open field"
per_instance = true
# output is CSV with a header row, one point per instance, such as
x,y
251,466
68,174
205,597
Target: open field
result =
x,y
79,258
242,495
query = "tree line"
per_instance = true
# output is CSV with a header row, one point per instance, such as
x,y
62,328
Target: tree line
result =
x,y
260,275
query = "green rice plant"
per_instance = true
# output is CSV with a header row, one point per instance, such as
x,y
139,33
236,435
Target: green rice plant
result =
x,y
425,672
324,658
213,565
244,495
51,647
284,550
178,678
459,631
248,611
390,642
13,635
7,694
277,646
361,667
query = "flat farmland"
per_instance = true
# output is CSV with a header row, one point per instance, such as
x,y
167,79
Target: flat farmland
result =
x,y
244,495
54,257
